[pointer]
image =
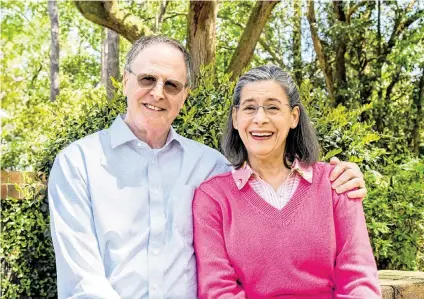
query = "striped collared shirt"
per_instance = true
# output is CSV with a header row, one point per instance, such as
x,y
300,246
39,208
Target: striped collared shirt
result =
x,y
281,197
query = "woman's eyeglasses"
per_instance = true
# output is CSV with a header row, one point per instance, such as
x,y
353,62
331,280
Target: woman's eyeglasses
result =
x,y
251,109
147,81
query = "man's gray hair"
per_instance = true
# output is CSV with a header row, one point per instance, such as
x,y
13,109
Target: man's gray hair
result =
x,y
146,41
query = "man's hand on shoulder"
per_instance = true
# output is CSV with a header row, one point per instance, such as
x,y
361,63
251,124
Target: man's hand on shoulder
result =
x,y
347,176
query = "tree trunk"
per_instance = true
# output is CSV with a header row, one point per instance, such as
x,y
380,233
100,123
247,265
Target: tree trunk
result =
x,y
378,27
340,79
322,59
54,49
297,41
250,37
418,101
201,33
110,61
108,14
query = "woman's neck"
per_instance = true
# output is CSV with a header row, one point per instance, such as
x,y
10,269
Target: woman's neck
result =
x,y
272,171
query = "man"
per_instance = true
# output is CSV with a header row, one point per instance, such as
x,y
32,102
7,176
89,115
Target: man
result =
x,y
120,199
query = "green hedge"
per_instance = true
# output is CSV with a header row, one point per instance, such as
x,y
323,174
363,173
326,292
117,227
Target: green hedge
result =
x,y
28,267
394,206
395,215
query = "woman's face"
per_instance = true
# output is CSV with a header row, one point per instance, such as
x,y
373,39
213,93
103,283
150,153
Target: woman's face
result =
x,y
264,130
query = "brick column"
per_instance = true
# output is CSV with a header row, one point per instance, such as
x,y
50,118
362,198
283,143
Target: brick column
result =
x,y
12,183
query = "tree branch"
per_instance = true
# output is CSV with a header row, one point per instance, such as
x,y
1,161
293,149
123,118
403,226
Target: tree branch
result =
x,y
250,37
177,14
109,15
354,8
418,101
275,58
35,76
323,61
340,79
159,16
297,41
392,84
411,4
54,49
400,26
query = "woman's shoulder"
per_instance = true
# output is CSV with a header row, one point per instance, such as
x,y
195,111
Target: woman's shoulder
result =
x,y
218,181
321,171
213,192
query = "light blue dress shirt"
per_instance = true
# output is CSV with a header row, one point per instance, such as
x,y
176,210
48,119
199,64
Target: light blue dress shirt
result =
x,y
121,217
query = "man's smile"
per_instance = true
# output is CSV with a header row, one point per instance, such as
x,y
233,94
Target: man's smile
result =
x,y
152,107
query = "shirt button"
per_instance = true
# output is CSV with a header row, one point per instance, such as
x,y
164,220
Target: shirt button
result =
x,y
155,252
155,287
155,191
139,144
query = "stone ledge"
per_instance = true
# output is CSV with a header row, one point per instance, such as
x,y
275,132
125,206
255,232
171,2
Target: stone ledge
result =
x,y
402,284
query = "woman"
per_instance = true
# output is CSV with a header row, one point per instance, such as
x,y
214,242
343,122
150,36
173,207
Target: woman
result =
x,y
274,228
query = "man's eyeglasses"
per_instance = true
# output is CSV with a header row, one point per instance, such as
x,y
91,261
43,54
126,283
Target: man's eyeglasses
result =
x,y
251,109
147,81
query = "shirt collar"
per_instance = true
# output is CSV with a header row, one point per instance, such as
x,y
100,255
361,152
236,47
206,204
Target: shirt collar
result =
x,y
242,175
120,133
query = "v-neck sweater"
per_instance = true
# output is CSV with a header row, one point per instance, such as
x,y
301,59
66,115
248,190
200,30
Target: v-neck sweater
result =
x,y
317,246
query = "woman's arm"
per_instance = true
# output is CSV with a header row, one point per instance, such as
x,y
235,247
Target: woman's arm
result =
x,y
215,276
355,272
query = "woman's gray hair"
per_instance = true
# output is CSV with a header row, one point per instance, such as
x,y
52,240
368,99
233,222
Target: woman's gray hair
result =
x,y
146,41
301,142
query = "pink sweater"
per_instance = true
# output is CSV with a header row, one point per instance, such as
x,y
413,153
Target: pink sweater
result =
x,y
316,247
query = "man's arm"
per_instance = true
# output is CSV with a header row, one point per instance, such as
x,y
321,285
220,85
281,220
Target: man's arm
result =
x,y
80,270
346,176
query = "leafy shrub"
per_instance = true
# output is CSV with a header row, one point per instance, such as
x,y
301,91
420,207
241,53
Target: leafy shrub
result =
x,y
204,113
340,131
69,125
28,266
395,215
395,202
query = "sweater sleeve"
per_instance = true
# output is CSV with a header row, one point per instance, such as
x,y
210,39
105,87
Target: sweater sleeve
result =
x,y
216,277
355,271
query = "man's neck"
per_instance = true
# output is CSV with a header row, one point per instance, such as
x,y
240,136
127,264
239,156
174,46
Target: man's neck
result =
x,y
154,138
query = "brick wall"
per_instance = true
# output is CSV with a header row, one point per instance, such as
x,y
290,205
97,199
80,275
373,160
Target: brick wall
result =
x,y
13,182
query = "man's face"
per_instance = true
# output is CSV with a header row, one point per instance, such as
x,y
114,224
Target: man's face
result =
x,y
153,109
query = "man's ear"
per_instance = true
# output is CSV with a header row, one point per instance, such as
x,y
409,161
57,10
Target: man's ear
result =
x,y
234,115
124,82
186,91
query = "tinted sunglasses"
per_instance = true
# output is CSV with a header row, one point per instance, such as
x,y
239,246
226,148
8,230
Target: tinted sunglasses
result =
x,y
147,81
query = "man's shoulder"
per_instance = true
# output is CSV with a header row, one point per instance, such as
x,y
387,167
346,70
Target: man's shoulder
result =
x,y
83,146
205,150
